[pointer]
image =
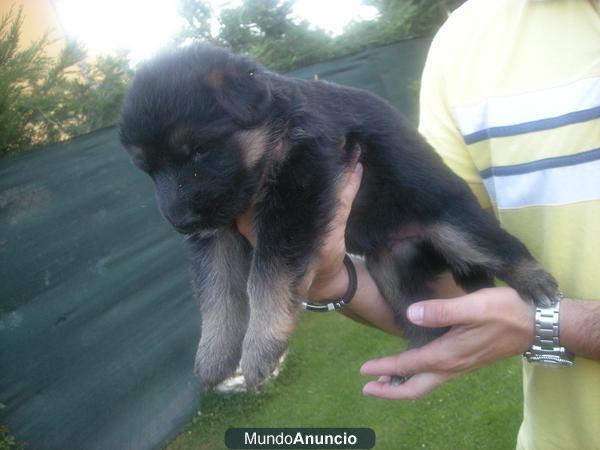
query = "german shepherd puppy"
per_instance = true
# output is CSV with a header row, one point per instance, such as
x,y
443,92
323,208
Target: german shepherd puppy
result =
x,y
219,134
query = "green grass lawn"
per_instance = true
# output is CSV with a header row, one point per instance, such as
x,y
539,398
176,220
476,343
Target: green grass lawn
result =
x,y
320,387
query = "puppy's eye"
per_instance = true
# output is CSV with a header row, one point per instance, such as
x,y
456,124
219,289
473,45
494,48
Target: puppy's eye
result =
x,y
206,148
200,153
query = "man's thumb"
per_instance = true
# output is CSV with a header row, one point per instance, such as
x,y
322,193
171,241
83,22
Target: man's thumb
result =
x,y
442,313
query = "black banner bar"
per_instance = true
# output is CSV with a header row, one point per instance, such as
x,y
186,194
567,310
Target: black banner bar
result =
x,y
300,438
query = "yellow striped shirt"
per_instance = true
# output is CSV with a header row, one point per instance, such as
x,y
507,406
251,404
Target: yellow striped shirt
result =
x,y
510,98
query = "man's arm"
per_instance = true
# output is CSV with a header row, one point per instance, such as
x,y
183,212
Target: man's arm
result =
x,y
580,327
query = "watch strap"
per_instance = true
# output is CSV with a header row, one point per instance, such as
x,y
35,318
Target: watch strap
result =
x,y
546,348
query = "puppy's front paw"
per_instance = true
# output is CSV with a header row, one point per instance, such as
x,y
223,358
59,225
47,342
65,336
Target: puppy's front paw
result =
x,y
260,356
214,364
536,285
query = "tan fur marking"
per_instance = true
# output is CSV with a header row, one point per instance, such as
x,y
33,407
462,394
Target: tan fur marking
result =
x,y
273,315
224,308
254,144
383,276
458,248
179,136
215,79
270,308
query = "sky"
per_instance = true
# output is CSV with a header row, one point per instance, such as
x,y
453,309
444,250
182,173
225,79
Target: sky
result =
x,y
144,26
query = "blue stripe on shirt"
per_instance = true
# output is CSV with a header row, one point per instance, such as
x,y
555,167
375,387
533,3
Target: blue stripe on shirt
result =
x,y
548,163
536,125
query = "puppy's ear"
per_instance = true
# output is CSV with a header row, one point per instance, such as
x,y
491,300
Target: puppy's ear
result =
x,y
245,95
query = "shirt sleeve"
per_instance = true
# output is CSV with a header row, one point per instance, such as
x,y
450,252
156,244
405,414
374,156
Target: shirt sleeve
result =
x,y
437,124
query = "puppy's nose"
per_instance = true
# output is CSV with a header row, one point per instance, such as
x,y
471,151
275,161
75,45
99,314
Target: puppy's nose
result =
x,y
187,227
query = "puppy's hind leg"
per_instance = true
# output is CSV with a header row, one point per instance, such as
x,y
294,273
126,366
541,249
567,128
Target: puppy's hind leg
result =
x,y
404,275
482,246
220,267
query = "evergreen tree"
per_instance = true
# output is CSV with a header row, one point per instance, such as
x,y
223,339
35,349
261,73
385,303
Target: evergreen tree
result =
x,y
44,99
267,30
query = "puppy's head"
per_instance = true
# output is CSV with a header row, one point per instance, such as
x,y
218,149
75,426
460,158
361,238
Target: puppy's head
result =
x,y
196,119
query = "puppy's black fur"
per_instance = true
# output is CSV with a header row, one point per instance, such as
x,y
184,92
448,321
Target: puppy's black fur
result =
x,y
219,135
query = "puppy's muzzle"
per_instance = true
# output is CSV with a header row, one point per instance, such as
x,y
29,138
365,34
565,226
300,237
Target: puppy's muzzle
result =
x,y
186,225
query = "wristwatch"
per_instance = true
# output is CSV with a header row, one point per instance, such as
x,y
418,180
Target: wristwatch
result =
x,y
546,349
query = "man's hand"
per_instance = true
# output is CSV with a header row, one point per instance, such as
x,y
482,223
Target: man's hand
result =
x,y
331,279
486,326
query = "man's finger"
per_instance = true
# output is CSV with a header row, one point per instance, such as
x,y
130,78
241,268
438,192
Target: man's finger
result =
x,y
415,387
350,184
406,363
446,312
